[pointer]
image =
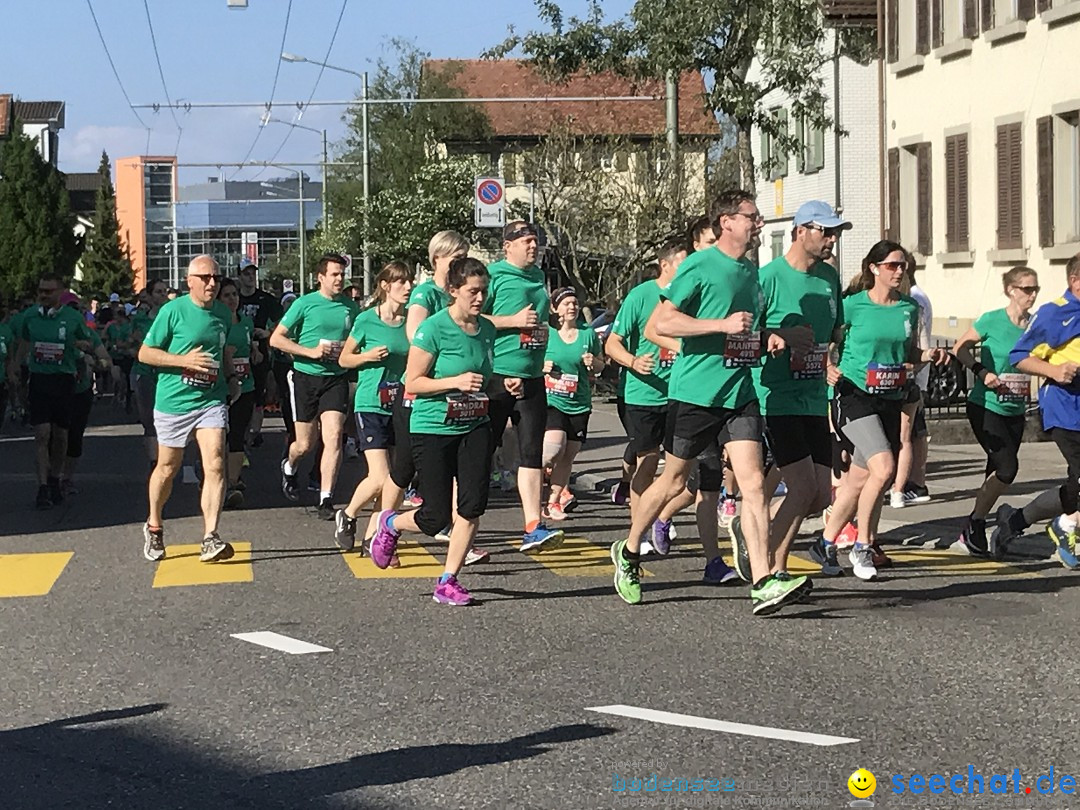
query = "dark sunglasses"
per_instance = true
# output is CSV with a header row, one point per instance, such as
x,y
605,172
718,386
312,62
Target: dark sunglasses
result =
x,y
206,278
1028,290
835,231
893,265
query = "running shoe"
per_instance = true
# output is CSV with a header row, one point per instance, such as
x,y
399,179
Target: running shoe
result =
x,y
718,572
848,536
824,554
620,493
508,481
451,592
661,536
898,500
862,562
476,555
234,498
781,491
555,511
881,559
67,486
444,534
326,509
56,494
412,500
739,552
1005,531
771,595
384,543
1065,540
726,512
973,538
645,549
43,501
919,493
214,548
313,483
804,585
542,538
153,543
288,483
344,530
627,574
567,500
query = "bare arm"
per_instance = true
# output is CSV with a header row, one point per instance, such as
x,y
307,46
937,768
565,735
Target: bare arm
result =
x,y
1061,374
672,323
280,340
617,351
351,358
663,342
414,316
159,358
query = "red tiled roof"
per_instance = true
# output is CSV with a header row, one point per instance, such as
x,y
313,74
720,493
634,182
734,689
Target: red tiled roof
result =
x,y
5,114
515,78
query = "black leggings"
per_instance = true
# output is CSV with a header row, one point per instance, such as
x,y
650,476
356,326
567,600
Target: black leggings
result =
x,y
440,459
1068,442
1000,436
529,415
80,416
402,468
239,420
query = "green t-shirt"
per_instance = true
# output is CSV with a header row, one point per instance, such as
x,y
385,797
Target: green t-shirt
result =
x,y
115,334
239,337
715,370
378,382
650,389
876,342
998,335
52,337
519,352
7,350
430,296
314,319
568,387
797,387
455,352
180,326
140,326
84,372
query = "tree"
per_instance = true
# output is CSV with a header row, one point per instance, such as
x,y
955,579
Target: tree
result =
x,y
719,38
105,266
36,233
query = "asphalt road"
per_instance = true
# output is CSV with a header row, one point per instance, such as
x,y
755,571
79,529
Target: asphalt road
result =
x,y
117,693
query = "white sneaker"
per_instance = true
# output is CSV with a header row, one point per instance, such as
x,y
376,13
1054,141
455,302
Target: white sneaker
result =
x,y
897,500
646,548
443,535
862,562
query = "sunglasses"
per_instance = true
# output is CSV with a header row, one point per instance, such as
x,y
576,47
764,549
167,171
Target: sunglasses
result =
x,y
755,217
206,278
893,265
1028,290
835,231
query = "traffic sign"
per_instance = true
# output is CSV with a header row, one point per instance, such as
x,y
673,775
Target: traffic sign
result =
x,y
490,202
250,241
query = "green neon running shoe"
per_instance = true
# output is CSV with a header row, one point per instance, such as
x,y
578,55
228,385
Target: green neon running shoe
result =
x,y
627,575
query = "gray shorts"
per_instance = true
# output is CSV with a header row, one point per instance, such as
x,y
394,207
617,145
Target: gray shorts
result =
x,y
145,388
868,435
176,429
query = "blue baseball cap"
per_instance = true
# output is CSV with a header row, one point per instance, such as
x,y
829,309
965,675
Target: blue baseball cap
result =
x,y
818,212
246,262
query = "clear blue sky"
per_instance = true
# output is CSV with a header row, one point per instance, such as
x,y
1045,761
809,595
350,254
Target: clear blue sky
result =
x,y
211,53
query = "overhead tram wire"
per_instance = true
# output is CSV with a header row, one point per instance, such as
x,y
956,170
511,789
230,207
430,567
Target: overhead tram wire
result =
x,y
273,89
161,73
315,87
116,73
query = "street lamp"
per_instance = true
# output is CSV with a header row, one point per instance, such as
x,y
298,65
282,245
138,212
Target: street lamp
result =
x,y
303,229
325,206
292,57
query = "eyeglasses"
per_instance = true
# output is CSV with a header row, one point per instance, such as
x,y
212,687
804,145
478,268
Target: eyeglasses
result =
x,y
1028,290
893,265
754,217
834,231
206,278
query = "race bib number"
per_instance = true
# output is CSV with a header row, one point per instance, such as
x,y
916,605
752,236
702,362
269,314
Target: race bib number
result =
x,y
465,407
534,338
742,351
1016,388
881,378
810,366
335,350
48,354
241,367
200,379
565,385
667,358
407,400
387,392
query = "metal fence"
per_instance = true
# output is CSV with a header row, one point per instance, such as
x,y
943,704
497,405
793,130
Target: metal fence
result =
x,y
947,390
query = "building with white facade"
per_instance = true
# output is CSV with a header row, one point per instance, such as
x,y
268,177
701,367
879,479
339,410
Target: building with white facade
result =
x,y
841,169
983,131
40,121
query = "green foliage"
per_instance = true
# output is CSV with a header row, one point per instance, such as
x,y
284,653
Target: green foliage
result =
x,y
105,265
35,219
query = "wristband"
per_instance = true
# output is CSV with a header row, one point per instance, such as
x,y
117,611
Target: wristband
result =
x,y
977,368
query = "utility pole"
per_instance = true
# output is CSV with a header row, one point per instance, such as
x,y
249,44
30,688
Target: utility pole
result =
x,y
303,228
366,160
325,204
673,117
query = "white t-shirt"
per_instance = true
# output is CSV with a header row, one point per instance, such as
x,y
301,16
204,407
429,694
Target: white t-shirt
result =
x,y
926,325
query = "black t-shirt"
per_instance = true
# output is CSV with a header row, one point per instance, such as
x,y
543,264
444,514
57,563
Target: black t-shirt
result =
x,y
262,308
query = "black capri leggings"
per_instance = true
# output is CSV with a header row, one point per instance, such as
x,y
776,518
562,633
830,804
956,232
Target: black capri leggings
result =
x,y
239,420
1000,436
402,468
1068,442
439,459
80,416
529,415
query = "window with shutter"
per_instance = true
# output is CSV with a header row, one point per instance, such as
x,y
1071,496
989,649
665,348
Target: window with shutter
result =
x,y
937,23
817,149
962,194
970,23
1025,9
894,195
801,143
892,28
956,194
1016,158
780,156
1044,146
1010,213
925,201
922,26
1043,5
987,8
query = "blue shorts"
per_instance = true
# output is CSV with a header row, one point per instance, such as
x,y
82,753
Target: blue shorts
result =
x,y
376,430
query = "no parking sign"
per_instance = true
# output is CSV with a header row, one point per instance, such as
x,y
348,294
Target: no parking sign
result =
x,y
490,202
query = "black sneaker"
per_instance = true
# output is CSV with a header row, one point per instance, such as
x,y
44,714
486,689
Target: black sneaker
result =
x,y
44,500
214,548
56,492
344,531
973,537
288,483
326,509
153,543
914,493
234,499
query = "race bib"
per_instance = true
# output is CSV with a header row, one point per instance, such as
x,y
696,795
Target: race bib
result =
x,y
534,338
565,385
48,354
810,366
387,392
200,379
742,351
465,407
667,358
241,367
335,350
1018,388
882,378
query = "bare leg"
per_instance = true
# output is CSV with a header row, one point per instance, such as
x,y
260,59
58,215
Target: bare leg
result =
x,y
680,502
906,456
881,469
333,423
668,486
169,461
378,477
57,450
644,475
708,524
305,441
42,451
847,500
746,464
530,482
992,489
211,443
807,492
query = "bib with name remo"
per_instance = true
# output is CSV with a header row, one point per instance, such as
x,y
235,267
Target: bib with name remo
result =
x,y
810,366
535,337
48,354
883,378
565,385
465,407
1016,388
200,379
742,351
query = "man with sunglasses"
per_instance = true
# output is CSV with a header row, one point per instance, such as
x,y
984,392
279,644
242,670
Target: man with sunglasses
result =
x,y
263,309
51,338
186,344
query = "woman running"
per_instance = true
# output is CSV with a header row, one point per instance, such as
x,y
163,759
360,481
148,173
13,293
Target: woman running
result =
x,y
572,355
240,346
448,371
877,350
378,347
997,404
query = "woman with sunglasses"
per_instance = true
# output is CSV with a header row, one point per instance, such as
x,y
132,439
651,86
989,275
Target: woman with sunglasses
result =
x,y
877,351
996,406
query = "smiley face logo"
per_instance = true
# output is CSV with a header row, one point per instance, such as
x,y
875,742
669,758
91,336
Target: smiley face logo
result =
x,y
862,784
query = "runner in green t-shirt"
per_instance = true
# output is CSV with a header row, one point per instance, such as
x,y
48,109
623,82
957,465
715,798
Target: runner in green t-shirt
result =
x,y
519,308
243,353
186,344
314,331
144,377
378,347
573,356
118,340
450,372
82,403
997,404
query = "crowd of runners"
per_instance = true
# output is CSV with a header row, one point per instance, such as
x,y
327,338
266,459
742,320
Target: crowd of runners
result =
x,y
758,397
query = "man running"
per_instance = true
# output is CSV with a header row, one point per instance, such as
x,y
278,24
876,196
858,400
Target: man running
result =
x,y
313,331
52,338
144,377
263,309
186,344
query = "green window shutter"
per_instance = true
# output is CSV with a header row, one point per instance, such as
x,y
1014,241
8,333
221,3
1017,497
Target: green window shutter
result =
x,y
781,151
802,147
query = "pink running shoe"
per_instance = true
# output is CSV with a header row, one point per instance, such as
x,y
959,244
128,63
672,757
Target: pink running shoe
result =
x,y
847,536
555,511
384,543
451,592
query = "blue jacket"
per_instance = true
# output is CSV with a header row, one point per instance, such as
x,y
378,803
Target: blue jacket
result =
x,y
1054,336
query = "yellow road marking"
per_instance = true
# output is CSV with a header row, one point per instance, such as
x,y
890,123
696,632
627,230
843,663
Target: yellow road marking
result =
x,y
31,574
577,557
416,563
181,567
